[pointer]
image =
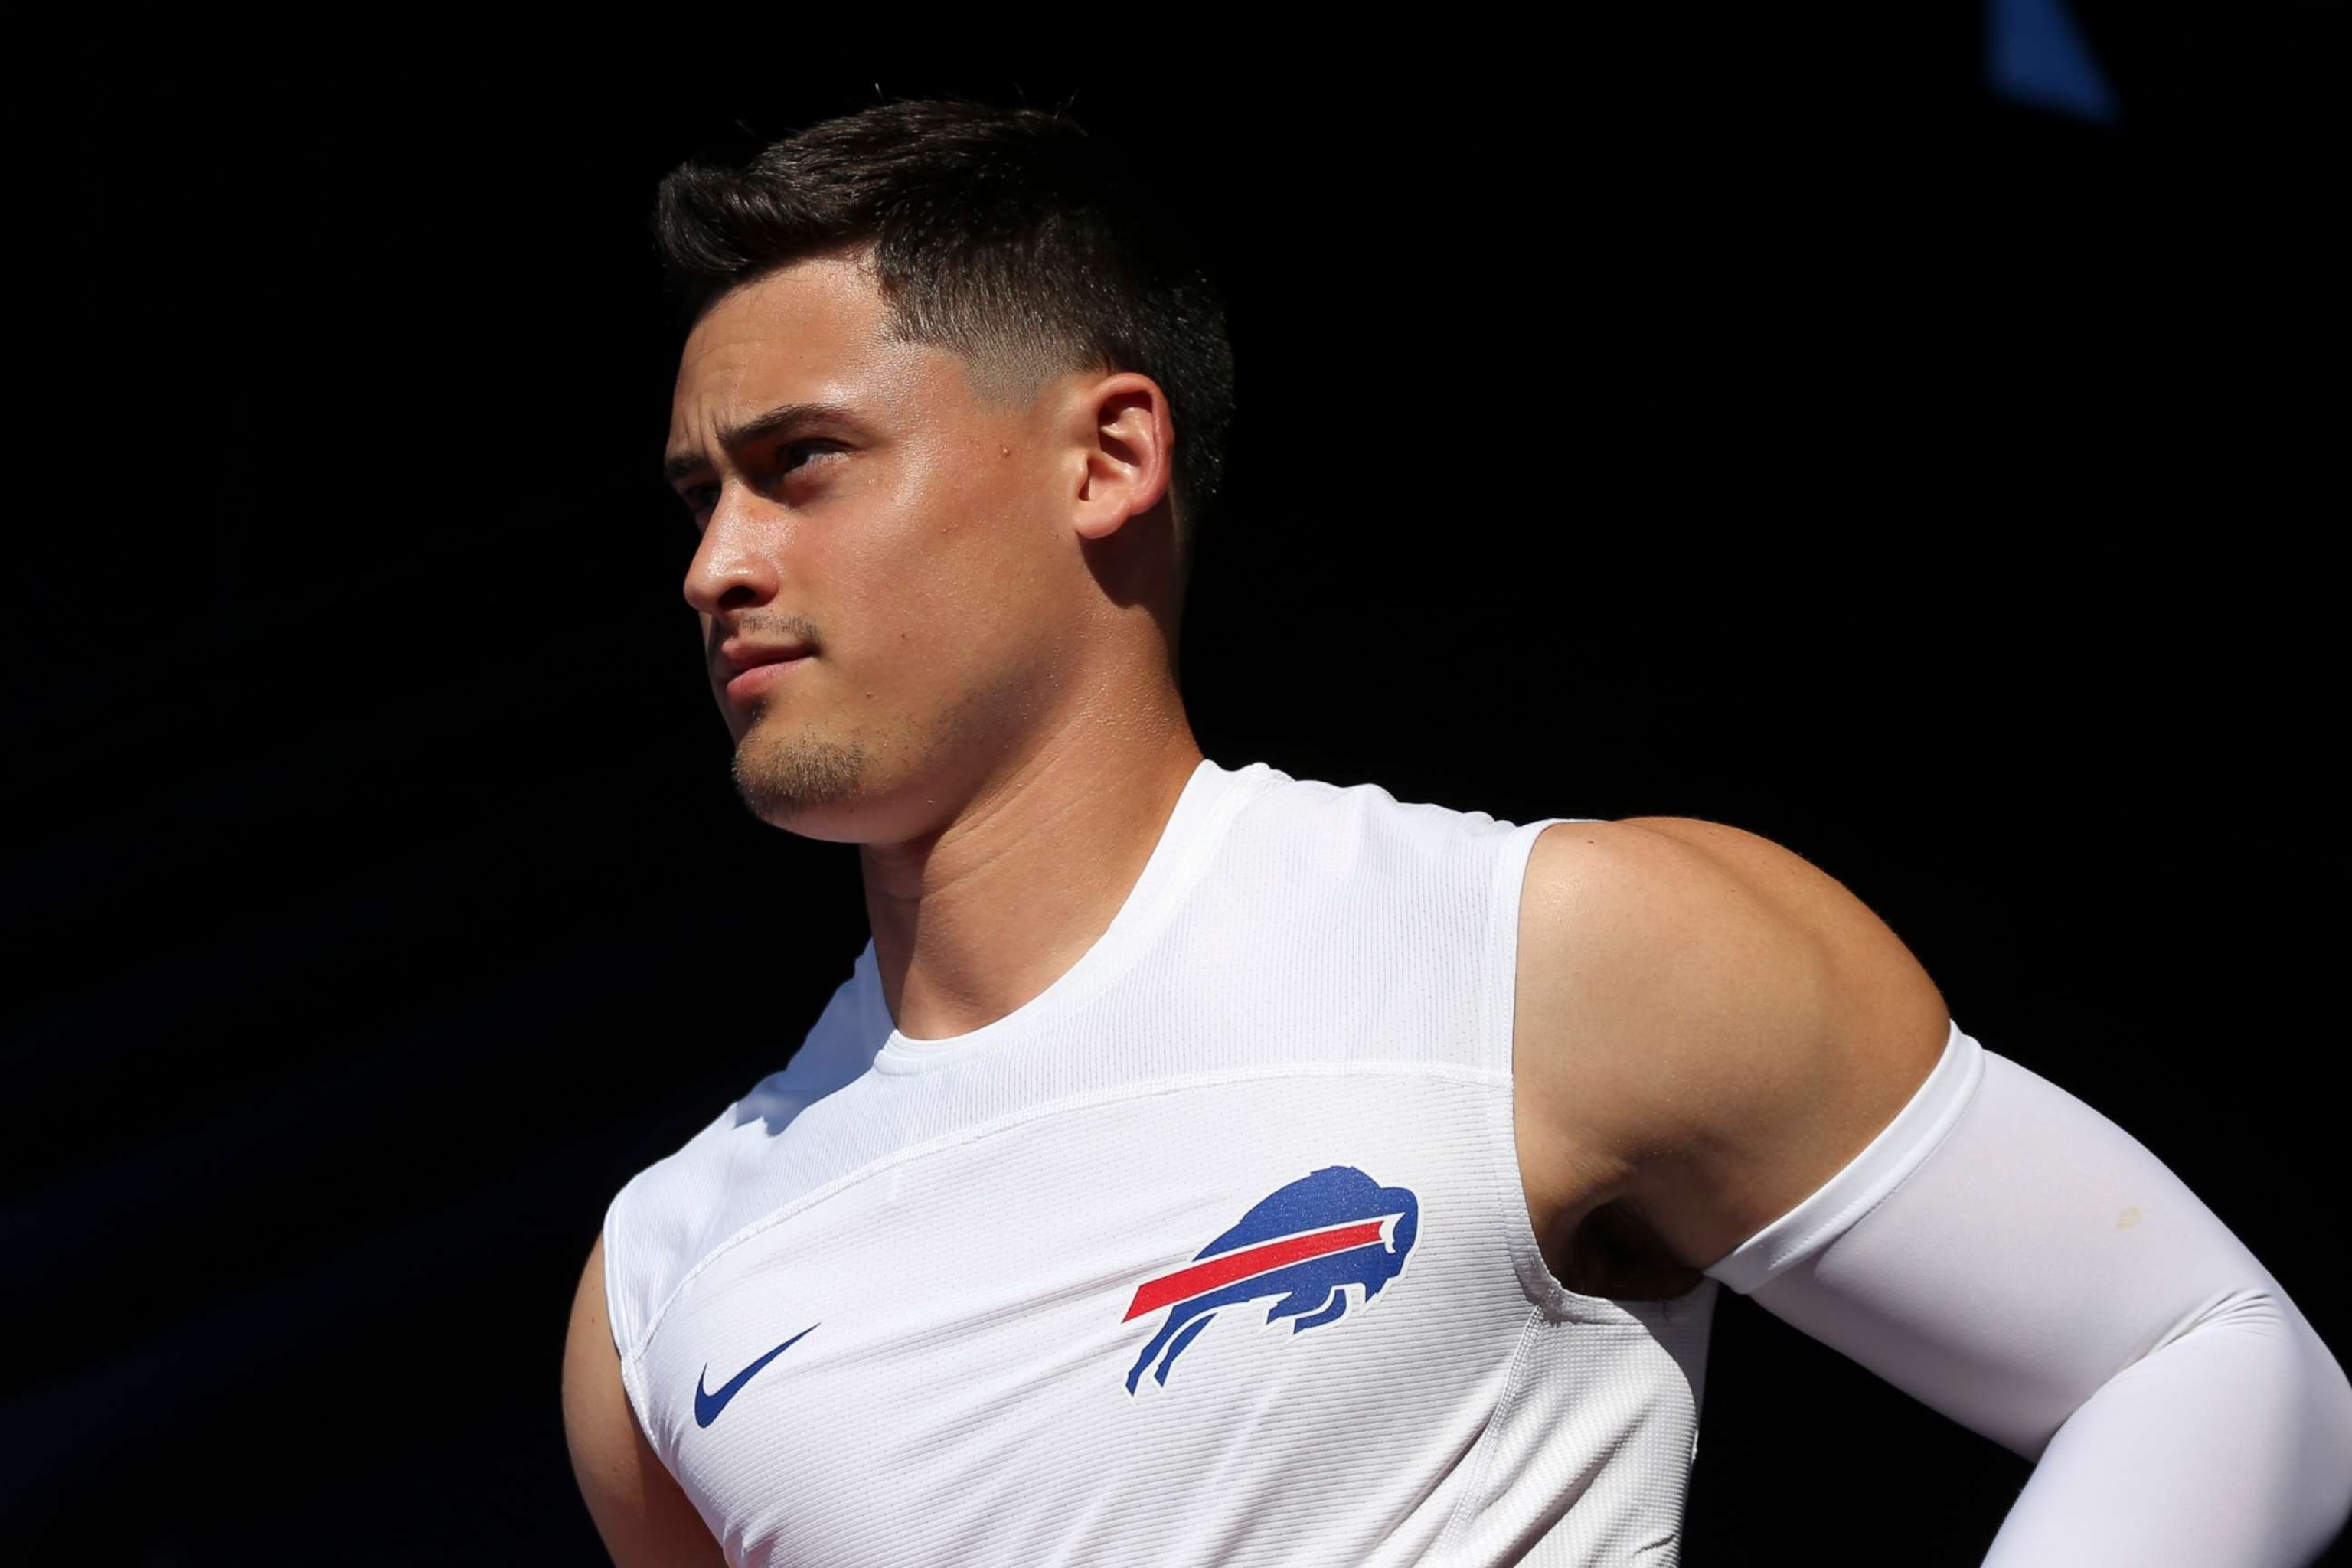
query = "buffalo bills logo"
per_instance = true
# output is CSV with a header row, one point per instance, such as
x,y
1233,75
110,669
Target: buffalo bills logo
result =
x,y
1305,1243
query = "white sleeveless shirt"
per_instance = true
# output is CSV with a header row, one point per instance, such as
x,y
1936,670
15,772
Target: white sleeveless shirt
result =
x,y
1215,1251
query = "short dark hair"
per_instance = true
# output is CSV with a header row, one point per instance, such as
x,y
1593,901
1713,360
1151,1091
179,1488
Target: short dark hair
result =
x,y
995,232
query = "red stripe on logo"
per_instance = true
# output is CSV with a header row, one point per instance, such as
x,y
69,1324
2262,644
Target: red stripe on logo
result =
x,y
1263,1259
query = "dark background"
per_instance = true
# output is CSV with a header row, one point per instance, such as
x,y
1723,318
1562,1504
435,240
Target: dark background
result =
x,y
1786,430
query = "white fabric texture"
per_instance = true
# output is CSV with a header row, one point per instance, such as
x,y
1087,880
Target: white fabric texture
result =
x,y
2016,1262
943,1245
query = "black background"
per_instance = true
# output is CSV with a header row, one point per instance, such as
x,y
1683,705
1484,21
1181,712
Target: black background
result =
x,y
1776,429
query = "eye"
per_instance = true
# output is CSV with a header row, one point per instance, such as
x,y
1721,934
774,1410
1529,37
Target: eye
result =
x,y
796,455
788,458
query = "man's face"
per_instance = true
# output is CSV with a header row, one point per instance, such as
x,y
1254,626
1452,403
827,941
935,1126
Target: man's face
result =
x,y
860,499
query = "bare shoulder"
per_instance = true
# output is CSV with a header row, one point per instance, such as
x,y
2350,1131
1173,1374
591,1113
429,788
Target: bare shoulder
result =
x,y
1707,1026
644,1517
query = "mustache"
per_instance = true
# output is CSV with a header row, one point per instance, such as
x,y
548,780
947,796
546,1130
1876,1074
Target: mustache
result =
x,y
795,629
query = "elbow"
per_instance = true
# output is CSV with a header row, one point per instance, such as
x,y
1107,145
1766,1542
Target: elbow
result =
x,y
2319,1445
2332,1422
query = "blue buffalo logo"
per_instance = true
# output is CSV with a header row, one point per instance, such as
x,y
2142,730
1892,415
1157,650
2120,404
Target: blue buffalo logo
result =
x,y
1305,1243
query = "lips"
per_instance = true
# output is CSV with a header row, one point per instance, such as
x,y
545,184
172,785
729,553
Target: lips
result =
x,y
737,658
755,670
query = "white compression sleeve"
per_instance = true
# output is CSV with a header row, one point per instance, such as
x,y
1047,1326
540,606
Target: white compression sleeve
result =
x,y
2016,1262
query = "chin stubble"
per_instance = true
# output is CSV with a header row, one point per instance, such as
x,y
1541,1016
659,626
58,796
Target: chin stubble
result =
x,y
778,778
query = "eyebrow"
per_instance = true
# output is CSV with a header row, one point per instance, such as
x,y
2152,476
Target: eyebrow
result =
x,y
784,417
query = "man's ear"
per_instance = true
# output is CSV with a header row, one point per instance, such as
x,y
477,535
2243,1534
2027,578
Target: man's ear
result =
x,y
1127,439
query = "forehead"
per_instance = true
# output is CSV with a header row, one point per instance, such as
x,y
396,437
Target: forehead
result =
x,y
816,331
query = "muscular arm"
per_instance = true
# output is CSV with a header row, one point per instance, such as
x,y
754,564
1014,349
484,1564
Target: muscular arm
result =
x,y
646,1521
1771,1083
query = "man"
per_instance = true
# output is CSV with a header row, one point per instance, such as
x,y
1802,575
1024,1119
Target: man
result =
x,y
1205,1165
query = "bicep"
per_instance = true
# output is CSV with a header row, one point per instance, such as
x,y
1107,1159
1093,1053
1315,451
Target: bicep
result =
x,y
644,1517
1718,1022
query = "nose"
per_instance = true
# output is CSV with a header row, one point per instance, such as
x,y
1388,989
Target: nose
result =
x,y
733,566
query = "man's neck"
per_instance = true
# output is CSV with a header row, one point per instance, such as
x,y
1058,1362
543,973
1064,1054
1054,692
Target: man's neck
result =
x,y
972,924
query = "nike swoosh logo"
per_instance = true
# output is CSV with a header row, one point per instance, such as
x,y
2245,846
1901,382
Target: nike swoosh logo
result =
x,y
707,1405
